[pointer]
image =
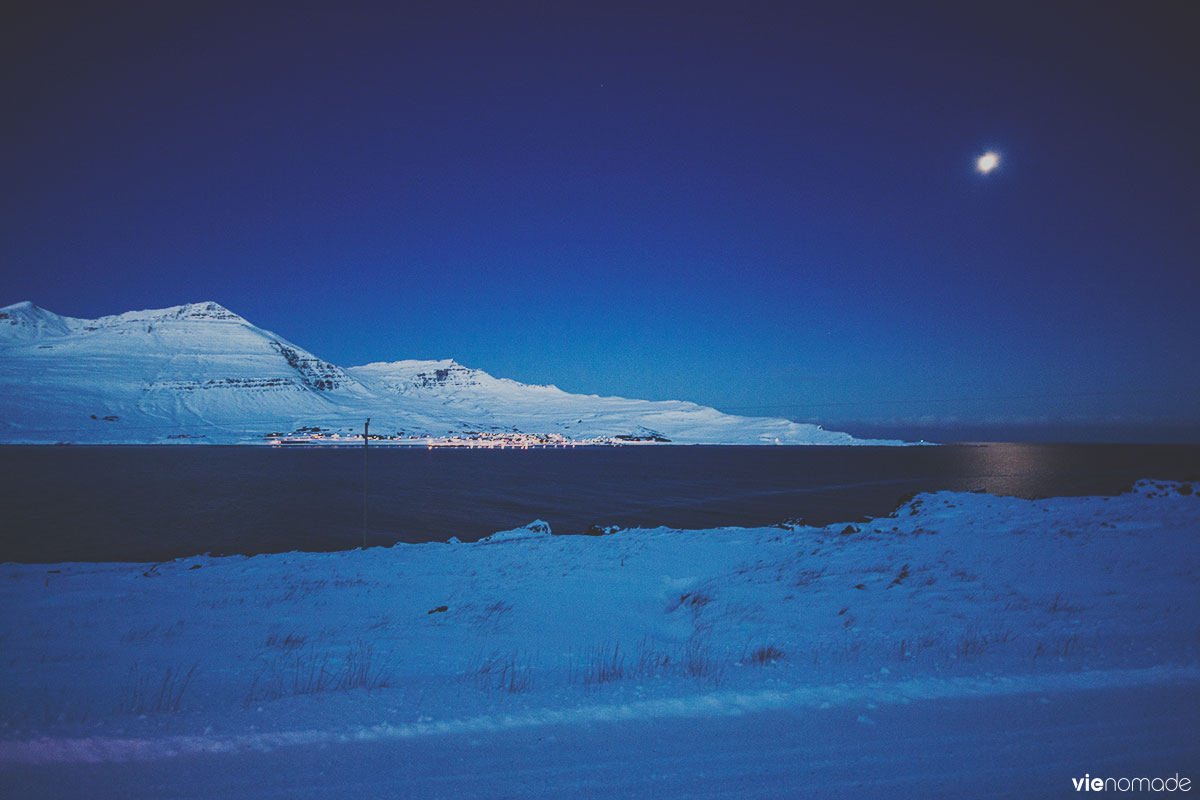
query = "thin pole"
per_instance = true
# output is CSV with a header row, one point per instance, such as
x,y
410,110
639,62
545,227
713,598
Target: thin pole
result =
x,y
366,426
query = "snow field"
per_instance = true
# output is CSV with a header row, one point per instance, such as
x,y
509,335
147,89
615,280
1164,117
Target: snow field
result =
x,y
955,595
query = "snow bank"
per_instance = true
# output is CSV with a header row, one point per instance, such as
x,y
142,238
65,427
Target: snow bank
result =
x,y
537,528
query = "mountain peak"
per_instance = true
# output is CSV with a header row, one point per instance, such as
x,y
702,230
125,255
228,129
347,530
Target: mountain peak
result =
x,y
204,310
24,310
410,374
24,321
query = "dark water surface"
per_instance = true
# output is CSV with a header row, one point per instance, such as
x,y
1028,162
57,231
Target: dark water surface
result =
x,y
158,503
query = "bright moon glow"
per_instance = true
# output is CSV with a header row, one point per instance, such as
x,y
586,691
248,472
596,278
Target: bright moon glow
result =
x,y
987,162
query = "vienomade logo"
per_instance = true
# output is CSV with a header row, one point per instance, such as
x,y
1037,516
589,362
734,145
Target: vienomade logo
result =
x,y
1090,784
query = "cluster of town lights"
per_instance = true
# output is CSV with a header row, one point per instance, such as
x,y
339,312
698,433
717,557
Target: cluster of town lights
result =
x,y
482,441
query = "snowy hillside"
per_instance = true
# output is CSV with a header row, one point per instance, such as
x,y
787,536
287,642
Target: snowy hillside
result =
x,y
200,373
450,389
191,371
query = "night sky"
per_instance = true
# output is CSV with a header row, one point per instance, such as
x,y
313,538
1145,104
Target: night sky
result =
x,y
771,208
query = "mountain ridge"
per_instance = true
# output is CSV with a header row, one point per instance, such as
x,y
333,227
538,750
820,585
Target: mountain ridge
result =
x,y
198,372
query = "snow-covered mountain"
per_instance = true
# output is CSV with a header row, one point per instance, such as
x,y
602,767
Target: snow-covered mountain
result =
x,y
478,401
199,372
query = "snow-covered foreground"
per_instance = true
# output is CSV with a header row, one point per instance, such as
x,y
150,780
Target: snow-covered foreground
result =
x,y
969,644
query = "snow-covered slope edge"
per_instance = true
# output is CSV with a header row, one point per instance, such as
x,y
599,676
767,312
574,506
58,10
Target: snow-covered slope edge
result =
x,y
200,373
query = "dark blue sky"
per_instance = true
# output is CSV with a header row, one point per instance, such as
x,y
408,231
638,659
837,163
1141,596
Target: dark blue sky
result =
x,y
766,207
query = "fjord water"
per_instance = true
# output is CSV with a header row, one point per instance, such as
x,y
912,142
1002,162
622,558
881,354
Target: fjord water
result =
x,y
158,503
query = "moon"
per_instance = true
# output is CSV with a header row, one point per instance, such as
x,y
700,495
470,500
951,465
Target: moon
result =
x,y
987,162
